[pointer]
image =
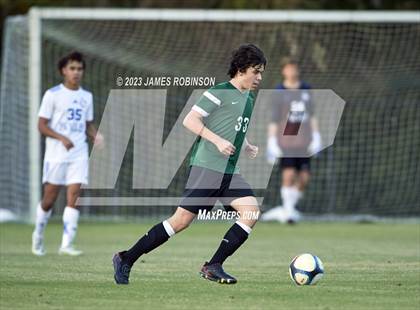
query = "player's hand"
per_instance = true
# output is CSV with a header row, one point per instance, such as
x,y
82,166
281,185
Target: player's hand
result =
x,y
316,144
67,143
273,150
251,150
98,141
225,147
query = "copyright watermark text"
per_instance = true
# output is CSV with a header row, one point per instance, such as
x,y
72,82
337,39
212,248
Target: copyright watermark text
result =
x,y
164,81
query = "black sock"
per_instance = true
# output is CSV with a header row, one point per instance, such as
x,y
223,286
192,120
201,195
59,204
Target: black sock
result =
x,y
233,239
156,236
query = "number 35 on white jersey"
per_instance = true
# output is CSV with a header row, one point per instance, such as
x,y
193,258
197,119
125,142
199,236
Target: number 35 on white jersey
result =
x,y
67,111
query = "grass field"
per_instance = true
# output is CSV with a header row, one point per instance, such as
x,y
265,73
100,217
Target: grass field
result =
x,y
368,266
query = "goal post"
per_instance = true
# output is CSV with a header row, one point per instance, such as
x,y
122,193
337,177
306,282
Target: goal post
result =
x,y
34,82
269,23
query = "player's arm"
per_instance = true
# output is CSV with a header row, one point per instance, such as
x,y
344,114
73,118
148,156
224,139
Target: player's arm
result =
x,y
93,134
251,150
273,149
316,143
314,124
91,131
48,132
272,130
194,122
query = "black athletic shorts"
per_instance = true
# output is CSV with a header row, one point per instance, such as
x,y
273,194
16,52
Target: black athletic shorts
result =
x,y
299,163
205,186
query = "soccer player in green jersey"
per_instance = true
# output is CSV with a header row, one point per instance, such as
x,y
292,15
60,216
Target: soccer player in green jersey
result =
x,y
220,118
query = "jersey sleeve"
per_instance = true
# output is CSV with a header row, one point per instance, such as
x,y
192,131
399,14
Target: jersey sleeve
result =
x,y
310,104
207,103
89,112
47,106
275,113
307,91
311,108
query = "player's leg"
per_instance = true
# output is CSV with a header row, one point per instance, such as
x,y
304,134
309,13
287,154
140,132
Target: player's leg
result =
x,y
236,235
304,174
238,232
53,176
70,221
76,175
235,194
290,193
43,213
302,180
156,236
159,234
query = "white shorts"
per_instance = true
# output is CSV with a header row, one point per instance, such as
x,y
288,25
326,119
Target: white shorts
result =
x,y
65,173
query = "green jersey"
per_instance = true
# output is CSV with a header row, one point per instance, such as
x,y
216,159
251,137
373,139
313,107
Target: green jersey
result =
x,y
226,112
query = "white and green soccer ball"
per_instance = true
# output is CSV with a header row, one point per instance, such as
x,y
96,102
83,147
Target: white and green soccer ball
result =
x,y
306,269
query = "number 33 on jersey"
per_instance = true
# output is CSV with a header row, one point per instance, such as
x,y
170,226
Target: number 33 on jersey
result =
x,y
227,112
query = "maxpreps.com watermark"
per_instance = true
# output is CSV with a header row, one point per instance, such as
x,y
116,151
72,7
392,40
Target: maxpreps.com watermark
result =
x,y
205,215
165,81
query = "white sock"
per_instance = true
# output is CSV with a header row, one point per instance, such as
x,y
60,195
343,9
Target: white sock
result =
x,y
70,219
41,220
290,196
299,194
244,227
168,228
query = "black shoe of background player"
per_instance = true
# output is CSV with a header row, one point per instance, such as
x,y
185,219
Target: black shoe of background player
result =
x,y
215,272
121,269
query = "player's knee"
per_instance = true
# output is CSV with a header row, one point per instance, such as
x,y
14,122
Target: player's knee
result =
x,y
306,180
288,177
179,225
73,194
250,214
303,181
181,220
72,199
288,181
71,202
253,209
48,200
47,204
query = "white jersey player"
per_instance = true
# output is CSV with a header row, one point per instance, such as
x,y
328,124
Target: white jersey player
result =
x,y
65,119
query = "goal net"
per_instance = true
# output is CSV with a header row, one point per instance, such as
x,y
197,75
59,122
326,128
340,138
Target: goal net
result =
x,y
369,59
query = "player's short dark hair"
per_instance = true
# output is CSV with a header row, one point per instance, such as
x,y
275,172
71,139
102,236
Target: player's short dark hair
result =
x,y
73,56
288,61
247,55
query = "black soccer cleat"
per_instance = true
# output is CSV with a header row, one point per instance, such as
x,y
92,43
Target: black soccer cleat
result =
x,y
121,269
215,272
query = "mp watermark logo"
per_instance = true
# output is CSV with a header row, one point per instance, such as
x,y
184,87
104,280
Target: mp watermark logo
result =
x,y
161,143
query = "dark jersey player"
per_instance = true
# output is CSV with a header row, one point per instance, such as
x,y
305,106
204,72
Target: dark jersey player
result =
x,y
293,110
220,118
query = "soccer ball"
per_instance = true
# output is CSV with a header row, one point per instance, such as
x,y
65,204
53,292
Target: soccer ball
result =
x,y
306,269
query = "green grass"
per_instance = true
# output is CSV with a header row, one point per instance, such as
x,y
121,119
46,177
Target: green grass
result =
x,y
368,266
